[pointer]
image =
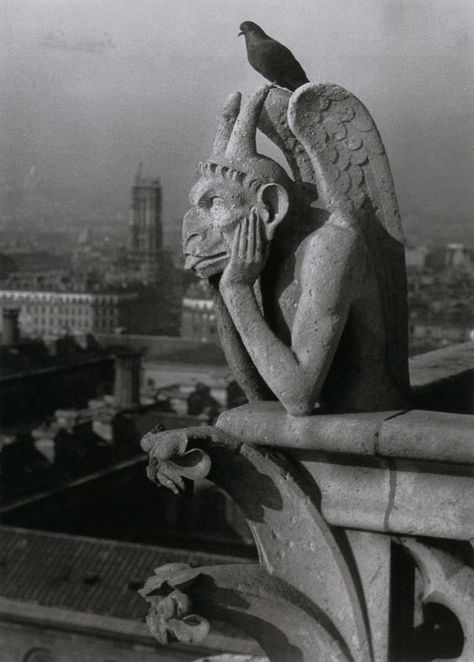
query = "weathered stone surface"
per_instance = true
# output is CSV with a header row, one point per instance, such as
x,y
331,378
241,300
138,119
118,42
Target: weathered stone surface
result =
x,y
354,496
429,499
372,557
428,502
428,435
418,435
268,424
292,538
286,625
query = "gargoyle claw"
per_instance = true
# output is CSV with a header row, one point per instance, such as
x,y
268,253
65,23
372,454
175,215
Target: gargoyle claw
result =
x,y
170,463
169,618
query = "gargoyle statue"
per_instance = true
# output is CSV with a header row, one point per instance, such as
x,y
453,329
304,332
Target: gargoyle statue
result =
x,y
310,293
308,272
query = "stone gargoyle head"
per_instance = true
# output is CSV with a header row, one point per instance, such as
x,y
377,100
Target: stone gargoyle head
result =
x,y
234,183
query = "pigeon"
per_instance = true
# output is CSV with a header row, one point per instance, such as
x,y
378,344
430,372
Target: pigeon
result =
x,y
274,61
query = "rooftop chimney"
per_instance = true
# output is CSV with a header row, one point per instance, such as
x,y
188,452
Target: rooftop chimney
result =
x,y
10,328
127,379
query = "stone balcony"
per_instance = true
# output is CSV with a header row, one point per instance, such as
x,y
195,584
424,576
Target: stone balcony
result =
x,y
364,525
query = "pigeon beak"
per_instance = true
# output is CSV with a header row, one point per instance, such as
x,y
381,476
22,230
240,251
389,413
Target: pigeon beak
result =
x,y
240,34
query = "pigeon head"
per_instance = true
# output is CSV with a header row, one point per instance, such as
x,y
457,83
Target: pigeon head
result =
x,y
250,28
233,183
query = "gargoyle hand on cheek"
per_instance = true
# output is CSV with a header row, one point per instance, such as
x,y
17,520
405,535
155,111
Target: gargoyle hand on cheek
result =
x,y
249,252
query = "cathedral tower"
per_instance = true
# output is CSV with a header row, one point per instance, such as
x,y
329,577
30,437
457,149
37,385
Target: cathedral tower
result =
x,y
146,233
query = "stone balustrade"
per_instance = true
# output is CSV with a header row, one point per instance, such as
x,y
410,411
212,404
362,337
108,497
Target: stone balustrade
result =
x,y
364,525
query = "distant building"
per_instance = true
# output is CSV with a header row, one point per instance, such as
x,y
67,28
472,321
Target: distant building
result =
x,y
33,270
66,410
137,291
441,297
198,321
451,256
36,379
83,307
180,365
146,232
458,255
50,313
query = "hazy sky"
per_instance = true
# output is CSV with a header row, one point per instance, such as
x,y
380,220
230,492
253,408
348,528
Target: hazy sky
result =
x,y
80,121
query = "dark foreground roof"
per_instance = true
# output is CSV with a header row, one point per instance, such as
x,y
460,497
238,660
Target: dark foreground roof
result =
x,y
84,574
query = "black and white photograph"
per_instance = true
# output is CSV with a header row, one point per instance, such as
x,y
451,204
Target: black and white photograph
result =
x,y
236,331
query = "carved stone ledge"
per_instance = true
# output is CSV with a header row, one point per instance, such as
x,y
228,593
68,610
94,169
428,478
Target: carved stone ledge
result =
x,y
408,434
406,472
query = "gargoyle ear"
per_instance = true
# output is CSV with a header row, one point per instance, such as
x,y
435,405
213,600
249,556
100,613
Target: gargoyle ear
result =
x,y
276,201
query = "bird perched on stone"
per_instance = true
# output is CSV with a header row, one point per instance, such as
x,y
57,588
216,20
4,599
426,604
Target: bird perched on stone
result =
x,y
274,61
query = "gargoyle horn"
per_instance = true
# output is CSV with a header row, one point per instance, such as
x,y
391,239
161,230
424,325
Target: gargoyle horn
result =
x,y
225,124
242,142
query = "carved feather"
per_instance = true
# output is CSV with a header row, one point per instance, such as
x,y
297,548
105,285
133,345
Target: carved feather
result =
x,y
346,151
335,152
331,141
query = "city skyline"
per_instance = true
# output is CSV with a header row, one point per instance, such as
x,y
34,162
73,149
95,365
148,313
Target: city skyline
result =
x,y
89,93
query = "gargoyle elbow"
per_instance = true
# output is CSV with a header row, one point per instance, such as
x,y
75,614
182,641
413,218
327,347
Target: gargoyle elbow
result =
x,y
299,407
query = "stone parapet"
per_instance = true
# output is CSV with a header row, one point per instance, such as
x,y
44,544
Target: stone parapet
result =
x,y
409,434
368,516
407,472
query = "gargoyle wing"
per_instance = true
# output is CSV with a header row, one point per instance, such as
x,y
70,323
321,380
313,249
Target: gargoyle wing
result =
x,y
346,152
273,122
331,142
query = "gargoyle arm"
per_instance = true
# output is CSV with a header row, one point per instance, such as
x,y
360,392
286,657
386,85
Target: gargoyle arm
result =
x,y
248,378
328,284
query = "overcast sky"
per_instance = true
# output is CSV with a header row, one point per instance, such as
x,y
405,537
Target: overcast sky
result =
x,y
81,120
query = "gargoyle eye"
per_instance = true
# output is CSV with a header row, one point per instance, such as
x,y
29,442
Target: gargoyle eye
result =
x,y
206,201
212,201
